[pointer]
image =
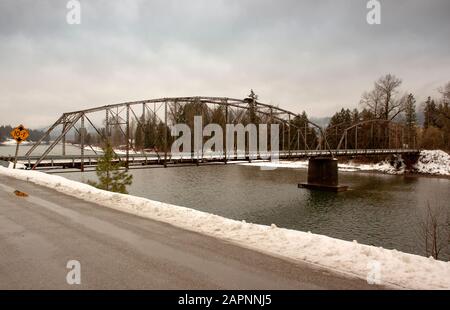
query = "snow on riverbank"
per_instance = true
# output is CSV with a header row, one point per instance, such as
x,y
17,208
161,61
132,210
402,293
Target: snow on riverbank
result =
x,y
13,142
99,150
434,162
396,269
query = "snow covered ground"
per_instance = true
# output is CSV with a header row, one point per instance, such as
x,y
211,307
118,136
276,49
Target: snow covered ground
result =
x,y
100,150
434,162
387,267
13,142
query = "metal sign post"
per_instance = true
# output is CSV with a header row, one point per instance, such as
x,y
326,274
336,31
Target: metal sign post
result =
x,y
15,156
20,134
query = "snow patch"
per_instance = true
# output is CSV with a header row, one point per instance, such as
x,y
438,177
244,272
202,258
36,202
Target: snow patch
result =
x,y
434,162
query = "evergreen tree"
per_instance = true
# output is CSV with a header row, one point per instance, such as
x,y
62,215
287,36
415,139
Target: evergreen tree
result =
x,y
139,137
110,174
338,123
306,131
410,119
430,113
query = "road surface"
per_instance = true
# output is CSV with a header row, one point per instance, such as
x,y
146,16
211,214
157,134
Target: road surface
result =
x,y
40,233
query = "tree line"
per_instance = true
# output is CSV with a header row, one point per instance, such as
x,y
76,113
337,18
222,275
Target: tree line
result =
x,y
35,135
388,117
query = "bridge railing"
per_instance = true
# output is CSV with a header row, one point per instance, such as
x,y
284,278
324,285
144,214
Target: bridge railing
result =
x,y
75,161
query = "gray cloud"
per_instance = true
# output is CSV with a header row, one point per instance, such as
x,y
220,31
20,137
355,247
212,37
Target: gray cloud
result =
x,y
303,55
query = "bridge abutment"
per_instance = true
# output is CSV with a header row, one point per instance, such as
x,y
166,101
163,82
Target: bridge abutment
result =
x,y
323,175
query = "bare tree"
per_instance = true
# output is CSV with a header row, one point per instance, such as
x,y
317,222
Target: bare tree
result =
x,y
434,229
388,85
372,102
383,100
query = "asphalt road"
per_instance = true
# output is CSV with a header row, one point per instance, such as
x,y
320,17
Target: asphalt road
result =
x,y
39,234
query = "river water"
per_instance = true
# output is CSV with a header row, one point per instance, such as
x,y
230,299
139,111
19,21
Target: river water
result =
x,y
381,210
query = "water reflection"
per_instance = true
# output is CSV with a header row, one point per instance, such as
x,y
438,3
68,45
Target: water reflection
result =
x,y
379,209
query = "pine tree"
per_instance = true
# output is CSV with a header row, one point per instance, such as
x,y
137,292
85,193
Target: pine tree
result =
x,y
410,119
139,141
430,113
110,174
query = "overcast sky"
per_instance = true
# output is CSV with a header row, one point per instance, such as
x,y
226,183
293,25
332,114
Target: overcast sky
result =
x,y
313,55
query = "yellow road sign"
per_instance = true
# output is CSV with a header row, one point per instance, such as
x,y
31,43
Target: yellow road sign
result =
x,y
20,134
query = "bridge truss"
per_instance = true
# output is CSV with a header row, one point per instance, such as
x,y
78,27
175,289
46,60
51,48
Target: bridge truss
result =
x,y
298,137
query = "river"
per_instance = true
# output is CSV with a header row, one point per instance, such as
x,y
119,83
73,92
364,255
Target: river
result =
x,y
379,209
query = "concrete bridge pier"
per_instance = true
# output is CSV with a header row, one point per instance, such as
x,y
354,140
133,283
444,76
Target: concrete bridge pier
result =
x,y
323,175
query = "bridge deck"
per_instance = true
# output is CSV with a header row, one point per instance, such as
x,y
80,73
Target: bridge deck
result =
x,y
147,159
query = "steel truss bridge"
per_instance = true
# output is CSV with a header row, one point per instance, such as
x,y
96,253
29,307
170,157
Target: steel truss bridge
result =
x,y
298,138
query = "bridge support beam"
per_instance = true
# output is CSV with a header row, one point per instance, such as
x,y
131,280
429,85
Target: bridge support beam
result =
x,y
323,175
82,133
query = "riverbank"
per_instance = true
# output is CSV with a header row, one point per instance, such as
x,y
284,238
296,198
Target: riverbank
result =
x,y
387,267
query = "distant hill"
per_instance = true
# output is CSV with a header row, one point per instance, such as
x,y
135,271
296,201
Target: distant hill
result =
x,y
321,121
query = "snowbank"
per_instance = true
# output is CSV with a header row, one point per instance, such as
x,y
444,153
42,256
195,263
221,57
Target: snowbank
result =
x,y
18,165
434,162
397,269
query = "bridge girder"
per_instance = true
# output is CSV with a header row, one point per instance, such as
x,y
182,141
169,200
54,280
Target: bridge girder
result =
x,y
236,107
68,120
